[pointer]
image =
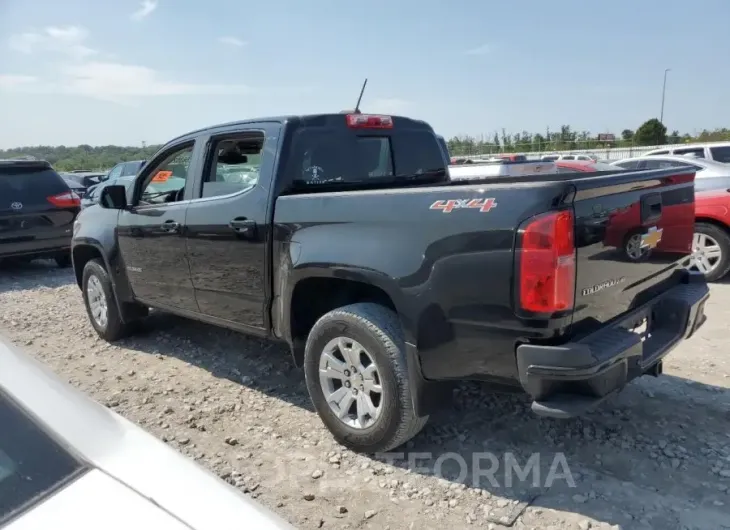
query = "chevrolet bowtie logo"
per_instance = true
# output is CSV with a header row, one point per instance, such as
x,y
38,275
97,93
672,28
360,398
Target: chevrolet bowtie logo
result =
x,y
652,238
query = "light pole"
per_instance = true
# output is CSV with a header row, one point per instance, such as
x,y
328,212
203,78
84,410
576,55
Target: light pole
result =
x,y
664,90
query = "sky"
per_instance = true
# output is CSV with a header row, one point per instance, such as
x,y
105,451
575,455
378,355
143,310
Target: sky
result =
x,y
131,71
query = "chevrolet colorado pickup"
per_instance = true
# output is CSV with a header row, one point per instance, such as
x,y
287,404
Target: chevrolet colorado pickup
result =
x,y
343,236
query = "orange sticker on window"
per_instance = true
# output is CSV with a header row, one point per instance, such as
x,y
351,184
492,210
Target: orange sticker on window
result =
x,y
162,176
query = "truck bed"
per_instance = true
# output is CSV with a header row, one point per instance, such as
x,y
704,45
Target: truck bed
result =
x,y
448,252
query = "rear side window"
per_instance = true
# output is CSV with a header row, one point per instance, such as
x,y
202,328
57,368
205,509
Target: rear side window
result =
x,y
29,185
699,152
664,164
327,155
657,153
568,157
629,164
721,154
32,464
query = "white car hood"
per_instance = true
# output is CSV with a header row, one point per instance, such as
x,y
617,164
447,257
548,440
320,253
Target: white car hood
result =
x,y
128,453
95,501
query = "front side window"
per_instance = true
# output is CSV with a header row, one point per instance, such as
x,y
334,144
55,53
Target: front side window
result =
x,y
629,164
658,153
32,464
234,164
166,182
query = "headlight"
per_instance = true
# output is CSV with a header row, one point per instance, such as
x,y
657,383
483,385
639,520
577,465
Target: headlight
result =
x,y
77,225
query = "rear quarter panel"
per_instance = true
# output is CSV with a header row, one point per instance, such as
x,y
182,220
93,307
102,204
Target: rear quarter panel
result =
x,y
448,273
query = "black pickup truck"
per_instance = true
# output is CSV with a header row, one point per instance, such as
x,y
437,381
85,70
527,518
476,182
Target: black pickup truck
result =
x,y
343,236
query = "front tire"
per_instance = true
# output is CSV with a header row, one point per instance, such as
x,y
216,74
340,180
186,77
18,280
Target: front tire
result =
x,y
368,409
710,252
101,306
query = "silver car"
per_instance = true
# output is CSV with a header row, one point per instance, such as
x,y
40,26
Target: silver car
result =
x,y
704,167
69,462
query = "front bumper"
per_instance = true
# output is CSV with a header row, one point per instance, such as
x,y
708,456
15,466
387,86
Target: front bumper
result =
x,y
567,380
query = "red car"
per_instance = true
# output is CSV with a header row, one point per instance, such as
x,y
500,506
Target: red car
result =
x,y
711,234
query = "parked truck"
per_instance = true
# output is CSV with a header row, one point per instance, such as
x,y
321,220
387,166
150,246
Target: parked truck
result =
x,y
348,241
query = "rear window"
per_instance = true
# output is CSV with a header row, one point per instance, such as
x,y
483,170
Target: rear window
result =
x,y
721,154
327,155
29,185
32,465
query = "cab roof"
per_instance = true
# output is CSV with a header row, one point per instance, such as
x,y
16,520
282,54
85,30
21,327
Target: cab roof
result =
x,y
303,119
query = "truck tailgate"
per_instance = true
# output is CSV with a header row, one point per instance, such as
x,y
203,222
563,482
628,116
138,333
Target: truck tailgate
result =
x,y
631,231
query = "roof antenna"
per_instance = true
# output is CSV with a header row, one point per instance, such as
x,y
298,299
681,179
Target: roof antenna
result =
x,y
362,91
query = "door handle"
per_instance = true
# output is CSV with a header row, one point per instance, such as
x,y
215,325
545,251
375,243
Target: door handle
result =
x,y
243,226
170,226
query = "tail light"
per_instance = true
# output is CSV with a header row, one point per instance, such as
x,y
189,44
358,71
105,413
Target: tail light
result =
x,y
369,121
547,263
68,199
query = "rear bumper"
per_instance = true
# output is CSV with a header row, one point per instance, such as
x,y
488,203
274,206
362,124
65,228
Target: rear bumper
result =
x,y
40,246
568,380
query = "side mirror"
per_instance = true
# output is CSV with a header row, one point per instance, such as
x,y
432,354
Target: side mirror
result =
x,y
113,197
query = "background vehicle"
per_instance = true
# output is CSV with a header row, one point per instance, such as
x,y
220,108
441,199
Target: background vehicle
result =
x,y
83,179
91,197
74,185
582,166
124,169
499,167
556,157
37,212
719,152
709,174
386,277
62,453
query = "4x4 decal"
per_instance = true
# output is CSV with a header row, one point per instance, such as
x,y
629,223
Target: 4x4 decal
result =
x,y
447,206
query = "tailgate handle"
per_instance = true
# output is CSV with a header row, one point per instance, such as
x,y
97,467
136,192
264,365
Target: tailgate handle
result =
x,y
651,208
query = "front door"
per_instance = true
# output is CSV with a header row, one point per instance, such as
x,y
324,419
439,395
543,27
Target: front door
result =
x,y
227,227
152,232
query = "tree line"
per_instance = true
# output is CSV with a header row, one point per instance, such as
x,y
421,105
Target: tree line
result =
x,y
651,132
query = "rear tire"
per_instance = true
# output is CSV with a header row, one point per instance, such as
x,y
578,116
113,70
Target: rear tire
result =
x,y
706,233
101,305
374,332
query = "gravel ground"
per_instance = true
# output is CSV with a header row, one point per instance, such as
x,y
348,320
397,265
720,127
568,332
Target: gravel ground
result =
x,y
658,456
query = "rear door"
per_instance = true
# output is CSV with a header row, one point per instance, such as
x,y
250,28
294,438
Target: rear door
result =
x,y
632,230
227,227
37,208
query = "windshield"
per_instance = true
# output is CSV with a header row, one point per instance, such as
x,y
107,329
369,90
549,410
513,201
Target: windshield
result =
x,y
31,463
